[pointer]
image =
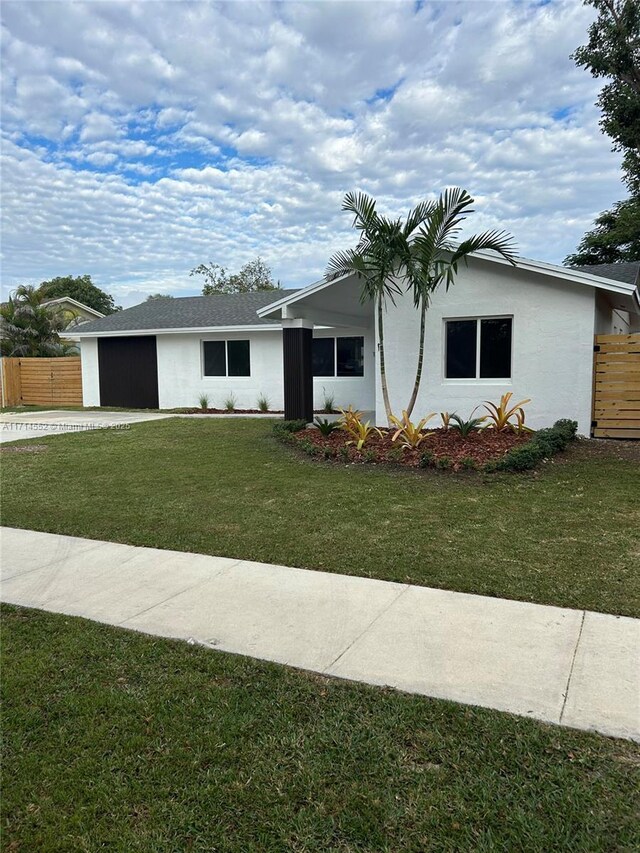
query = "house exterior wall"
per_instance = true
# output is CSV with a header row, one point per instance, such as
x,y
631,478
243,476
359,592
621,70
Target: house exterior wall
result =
x,y
610,321
90,374
181,380
358,392
552,346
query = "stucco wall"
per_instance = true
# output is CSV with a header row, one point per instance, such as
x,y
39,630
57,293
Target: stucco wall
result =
x,y
181,380
90,375
552,348
359,392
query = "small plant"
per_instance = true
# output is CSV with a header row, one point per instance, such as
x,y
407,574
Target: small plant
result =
x,y
395,454
443,463
502,414
446,419
289,426
465,428
467,463
411,435
326,426
230,403
349,417
328,452
329,402
370,456
204,401
426,459
360,433
264,404
343,452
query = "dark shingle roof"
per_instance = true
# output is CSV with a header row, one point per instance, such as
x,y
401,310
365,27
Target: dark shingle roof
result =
x,y
189,312
627,271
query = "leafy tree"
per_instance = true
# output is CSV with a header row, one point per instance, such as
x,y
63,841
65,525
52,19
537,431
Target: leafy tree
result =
x,y
253,276
436,256
615,238
153,296
81,289
30,329
613,52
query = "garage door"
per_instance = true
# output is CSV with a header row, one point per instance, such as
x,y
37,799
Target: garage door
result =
x,y
128,372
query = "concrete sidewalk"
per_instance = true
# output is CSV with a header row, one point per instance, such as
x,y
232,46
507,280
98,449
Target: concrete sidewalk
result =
x,y
569,667
22,426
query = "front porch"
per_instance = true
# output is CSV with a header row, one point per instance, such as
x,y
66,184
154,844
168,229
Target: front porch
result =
x,y
343,368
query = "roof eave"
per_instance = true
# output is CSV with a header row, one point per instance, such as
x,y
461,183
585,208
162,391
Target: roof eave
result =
x,y
181,330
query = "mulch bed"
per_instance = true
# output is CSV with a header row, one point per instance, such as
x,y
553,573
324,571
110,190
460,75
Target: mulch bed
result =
x,y
447,447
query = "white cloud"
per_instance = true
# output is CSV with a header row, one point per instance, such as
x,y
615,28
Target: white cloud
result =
x,y
143,138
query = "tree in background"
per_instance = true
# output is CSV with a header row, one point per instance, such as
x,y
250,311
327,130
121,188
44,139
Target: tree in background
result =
x,y
253,276
30,329
153,296
82,289
613,51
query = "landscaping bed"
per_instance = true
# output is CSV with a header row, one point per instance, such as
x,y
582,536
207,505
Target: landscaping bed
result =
x,y
200,411
443,448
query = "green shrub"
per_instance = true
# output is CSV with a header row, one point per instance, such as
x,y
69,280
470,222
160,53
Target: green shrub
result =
x,y
427,459
395,454
204,401
289,426
343,452
326,426
264,404
468,463
230,403
568,427
370,456
521,458
329,452
443,463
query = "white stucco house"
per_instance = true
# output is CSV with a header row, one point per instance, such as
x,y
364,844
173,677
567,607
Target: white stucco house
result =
x,y
527,329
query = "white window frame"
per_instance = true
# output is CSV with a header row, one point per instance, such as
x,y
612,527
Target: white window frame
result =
x,y
477,379
334,338
225,341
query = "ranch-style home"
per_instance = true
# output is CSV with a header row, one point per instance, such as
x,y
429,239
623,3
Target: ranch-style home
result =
x,y
528,329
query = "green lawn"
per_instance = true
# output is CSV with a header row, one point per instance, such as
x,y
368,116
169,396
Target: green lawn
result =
x,y
118,741
568,535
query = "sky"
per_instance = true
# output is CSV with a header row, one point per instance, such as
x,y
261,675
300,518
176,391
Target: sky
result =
x,y
142,139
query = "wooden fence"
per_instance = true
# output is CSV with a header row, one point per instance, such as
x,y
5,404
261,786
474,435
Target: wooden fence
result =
x,y
616,392
41,381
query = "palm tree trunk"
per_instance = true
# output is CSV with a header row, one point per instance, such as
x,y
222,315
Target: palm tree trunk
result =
x,y
383,371
416,384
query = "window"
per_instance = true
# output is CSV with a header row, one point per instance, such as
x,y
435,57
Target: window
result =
x,y
478,349
226,358
338,356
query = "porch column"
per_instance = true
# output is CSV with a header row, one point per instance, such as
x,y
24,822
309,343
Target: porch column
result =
x,y
297,336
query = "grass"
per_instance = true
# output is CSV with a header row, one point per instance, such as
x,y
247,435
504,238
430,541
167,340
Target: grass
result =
x,y
114,740
568,535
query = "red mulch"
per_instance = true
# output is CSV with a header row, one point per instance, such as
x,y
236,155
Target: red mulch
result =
x,y
481,446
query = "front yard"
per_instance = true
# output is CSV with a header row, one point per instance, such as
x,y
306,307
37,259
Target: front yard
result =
x,y
114,740
567,535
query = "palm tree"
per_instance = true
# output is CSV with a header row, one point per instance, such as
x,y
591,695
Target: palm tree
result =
x,y
382,259
30,329
435,257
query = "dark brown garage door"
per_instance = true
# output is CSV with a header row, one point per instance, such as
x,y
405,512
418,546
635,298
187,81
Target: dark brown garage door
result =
x,y
128,372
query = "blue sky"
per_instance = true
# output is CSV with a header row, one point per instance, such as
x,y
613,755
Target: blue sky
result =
x,y
141,139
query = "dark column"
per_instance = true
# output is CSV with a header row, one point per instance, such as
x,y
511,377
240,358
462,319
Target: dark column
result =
x,y
298,375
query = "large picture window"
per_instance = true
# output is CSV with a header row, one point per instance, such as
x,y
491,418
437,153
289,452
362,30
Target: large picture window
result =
x,y
226,358
338,356
478,349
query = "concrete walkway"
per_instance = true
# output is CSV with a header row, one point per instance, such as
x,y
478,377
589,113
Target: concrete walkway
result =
x,y
569,667
17,426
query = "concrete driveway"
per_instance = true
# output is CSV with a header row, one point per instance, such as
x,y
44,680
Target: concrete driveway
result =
x,y
23,426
